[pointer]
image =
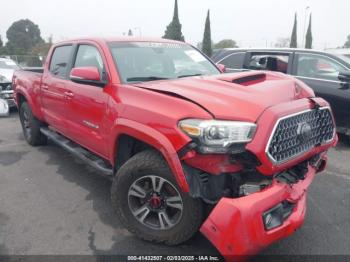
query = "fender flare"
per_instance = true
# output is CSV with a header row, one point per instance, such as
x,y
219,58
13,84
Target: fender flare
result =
x,y
153,138
33,106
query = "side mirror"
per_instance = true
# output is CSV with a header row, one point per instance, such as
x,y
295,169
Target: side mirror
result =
x,y
86,75
344,76
221,67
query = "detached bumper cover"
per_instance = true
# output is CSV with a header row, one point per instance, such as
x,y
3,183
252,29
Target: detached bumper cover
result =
x,y
236,227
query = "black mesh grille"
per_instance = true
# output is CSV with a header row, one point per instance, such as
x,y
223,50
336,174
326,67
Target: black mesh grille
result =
x,y
5,86
299,133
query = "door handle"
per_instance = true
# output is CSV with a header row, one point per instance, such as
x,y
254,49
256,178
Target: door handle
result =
x,y
69,95
45,87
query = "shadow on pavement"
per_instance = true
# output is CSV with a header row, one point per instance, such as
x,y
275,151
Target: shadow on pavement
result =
x,y
98,187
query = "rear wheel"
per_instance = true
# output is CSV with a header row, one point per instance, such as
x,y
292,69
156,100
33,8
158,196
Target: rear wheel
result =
x,y
149,203
31,126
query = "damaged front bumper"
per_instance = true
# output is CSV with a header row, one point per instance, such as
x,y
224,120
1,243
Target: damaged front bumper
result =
x,y
239,227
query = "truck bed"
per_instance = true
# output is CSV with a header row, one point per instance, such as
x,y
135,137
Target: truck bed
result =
x,y
34,69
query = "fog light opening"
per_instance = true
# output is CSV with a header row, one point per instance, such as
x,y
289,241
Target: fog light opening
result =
x,y
275,216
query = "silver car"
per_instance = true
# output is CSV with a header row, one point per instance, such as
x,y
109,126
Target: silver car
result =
x,y
7,67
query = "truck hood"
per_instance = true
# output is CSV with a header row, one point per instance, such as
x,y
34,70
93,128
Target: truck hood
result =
x,y
238,96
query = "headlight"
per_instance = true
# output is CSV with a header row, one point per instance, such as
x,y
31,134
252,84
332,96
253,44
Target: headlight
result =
x,y
215,136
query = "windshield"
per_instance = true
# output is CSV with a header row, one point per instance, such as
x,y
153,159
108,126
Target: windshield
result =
x,y
8,64
148,61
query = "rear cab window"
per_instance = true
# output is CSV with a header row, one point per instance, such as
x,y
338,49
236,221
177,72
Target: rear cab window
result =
x,y
278,62
60,59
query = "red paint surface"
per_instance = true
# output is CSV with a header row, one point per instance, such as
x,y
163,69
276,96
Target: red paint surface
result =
x,y
150,112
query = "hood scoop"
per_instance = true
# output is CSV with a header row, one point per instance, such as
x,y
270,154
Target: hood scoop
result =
x,y
245,79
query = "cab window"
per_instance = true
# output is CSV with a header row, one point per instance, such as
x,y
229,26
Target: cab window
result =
x,y
60,60
318,66
89,56
271,62
234,61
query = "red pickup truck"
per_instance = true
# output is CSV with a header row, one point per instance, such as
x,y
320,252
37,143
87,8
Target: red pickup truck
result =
x,y
187,147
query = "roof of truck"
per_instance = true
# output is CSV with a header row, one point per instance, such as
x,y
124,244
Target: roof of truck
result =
x,y
122,39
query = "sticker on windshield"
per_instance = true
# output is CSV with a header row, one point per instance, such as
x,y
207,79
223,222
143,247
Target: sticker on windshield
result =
x,y
195,56
158,45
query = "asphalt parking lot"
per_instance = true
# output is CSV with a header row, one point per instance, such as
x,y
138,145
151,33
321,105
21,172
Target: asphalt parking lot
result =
x,y
50,203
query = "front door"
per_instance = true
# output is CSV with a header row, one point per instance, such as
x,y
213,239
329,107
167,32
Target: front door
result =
x,y
87,104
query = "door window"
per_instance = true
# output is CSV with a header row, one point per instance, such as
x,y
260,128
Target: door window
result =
x,y
88,56
270,62
234,61
60,60
318,66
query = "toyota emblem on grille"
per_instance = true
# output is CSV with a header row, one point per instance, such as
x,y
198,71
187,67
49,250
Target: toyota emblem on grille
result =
x,y
304,132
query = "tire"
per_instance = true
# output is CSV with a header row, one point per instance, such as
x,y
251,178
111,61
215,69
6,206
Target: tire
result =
x,y
31,126
144,167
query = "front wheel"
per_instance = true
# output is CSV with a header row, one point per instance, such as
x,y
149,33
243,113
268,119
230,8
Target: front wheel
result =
x,y
149,203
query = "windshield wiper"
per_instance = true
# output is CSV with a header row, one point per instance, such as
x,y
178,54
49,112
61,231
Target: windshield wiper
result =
x,y
189,75
145,78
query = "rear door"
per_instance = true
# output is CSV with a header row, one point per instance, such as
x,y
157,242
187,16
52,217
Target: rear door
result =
x,y
320,72
87,103
54,87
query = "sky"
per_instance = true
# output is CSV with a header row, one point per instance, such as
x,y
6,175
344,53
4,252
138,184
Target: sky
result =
x,y
252,23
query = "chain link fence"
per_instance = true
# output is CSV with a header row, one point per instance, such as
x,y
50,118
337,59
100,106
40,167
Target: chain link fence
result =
x,y
27,60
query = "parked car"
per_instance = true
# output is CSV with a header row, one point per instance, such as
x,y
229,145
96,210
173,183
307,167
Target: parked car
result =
x,y
339,51
327,74
7,67
177,137
4,108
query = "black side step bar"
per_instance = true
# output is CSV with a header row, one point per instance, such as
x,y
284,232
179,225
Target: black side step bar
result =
x,y
80,152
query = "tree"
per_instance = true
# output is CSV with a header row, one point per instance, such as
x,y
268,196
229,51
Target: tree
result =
x,y
308,43
130,33
22,36
207,43
173,30
347,43
282,42
226,43
293,39
3,50
42,48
